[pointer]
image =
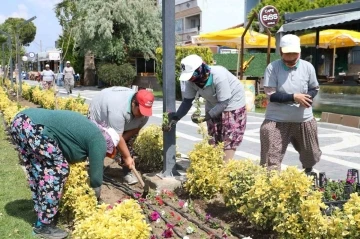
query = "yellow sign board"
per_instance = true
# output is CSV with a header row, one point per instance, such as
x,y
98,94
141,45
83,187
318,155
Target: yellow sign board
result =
x,y
249,86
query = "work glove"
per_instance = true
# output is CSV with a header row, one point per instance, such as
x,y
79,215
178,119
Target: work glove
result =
x,y
173,121
197,119
97,193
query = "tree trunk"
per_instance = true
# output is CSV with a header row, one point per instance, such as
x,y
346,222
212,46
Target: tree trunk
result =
x,y
89,70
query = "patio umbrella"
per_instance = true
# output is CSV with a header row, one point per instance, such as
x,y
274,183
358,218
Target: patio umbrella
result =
x,y
232,38
332,38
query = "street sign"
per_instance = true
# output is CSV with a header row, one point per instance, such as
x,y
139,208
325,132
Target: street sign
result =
x,y
54,56
31,54
269,16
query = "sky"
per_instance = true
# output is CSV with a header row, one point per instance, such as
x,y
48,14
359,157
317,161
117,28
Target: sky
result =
x,y
48,27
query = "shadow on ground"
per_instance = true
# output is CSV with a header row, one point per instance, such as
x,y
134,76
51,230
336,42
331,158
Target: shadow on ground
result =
x,y
23,209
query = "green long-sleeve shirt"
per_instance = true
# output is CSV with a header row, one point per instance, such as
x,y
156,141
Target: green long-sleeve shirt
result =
x,y
77,137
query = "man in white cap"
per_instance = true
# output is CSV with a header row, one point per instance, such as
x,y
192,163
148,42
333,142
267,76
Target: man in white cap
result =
x,y
47,77
225,102
69,73
290,85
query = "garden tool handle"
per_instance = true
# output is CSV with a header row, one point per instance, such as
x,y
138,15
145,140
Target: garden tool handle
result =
x,y
138,176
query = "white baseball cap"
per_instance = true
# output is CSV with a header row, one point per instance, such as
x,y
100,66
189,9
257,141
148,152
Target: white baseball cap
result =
x,y
290,44
114,135
188,65
47,65
68,62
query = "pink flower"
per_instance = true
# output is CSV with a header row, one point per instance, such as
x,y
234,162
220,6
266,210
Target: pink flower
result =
x,y
207,217
181,203
118,201
169,226
109,207
153,237
159,200
167,233
154,216
137,195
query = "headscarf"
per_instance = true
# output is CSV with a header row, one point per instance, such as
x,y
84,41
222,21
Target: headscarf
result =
x,y
201,75
109,141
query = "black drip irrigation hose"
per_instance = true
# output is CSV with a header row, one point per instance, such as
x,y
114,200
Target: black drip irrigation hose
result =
x,y
130,192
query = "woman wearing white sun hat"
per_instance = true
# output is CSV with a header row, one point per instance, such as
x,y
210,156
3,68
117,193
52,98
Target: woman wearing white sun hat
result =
x,y
225,102
69,73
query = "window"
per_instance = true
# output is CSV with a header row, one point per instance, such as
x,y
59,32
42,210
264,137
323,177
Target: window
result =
x,y
193,23
179,25
356,57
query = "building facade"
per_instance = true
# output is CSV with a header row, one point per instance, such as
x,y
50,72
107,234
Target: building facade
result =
x,y
194,17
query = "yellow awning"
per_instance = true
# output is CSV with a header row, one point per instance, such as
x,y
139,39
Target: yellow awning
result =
x,y
332,38
232,38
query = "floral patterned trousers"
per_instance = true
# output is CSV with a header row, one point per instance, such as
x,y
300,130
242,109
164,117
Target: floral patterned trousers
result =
x,y
229,128
44,162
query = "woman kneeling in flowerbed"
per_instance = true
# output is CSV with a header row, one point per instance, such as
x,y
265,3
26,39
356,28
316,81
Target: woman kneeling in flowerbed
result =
x,y
47,141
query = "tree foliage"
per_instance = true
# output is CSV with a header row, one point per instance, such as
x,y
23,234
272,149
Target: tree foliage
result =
x,y
285,6
180,52
115,29
67,44
26,36
26,33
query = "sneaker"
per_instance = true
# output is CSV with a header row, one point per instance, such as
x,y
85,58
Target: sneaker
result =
x,y
50,232
130,179
308,170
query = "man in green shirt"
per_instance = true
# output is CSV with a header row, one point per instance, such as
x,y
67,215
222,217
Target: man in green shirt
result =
x,y
47,143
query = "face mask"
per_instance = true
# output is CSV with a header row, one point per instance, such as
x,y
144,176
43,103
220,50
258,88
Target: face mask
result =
x,y
201,74
291,63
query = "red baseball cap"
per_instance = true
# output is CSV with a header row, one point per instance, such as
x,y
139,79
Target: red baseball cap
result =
x,y
145,99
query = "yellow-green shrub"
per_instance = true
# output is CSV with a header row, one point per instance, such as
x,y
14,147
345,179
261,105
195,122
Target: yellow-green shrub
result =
x,y
123,221
79,205
149,149
275,196
306,222
78,201
237,177
352,211
203,175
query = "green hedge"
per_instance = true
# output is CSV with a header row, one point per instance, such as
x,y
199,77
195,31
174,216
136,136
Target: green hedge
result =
x,y
117,75
257,65
334,89
181,52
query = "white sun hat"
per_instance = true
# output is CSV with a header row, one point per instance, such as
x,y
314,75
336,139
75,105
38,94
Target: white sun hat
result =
x,y
290,44
188,65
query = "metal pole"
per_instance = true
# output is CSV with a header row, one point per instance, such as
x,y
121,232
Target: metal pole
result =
x,y
268,48
168,33
18,49
316,65
11,62
18,61
3,57
242,45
